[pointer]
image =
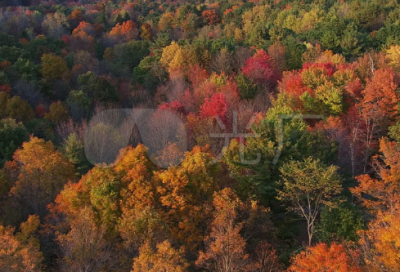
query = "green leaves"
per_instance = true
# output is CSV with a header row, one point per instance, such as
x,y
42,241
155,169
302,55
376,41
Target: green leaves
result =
x,y
12,135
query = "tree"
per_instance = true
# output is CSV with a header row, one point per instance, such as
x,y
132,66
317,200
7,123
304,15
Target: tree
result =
x,y
260,69
216,106
57,113
277,53
393,55
210,16
125,31
73,149
265,260
54,68
378,108
222,63
20,252
248,89
166,21
340,223
19,109
165,259
380,243
225,247
307,186
140,219
12,135
85,247
146,32
322,257
41,173
186,192
98,88
3,104
381,193
55,24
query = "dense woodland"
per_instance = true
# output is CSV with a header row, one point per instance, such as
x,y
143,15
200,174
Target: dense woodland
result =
x,y
329,203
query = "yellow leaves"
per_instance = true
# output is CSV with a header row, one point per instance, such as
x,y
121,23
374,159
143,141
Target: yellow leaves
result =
x,y
393,56
54,67
43,171
165,258
175,59
168,53
186,190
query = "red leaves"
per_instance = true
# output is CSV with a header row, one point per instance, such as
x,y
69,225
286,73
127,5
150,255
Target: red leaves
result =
x,y
326,67
260,68
5,88
292,84
174,106
217,105
197,75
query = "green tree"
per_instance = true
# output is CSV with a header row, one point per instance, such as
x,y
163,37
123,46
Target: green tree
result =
x,y
98,87
248,89
307,186
73,149
341,222
12,135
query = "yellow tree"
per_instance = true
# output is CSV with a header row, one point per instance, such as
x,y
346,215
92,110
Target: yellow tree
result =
x,y
186,193
164,259
41,173
54,68
140,219
393,55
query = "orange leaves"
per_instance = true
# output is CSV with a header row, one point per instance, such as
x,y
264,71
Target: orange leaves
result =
x,y
43,171
225,246
384,191
324,258
165,258
210,16
380,95
125,31
20,252
381,242
76,15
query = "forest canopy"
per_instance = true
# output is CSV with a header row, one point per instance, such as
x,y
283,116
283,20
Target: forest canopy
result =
x,y
217,135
